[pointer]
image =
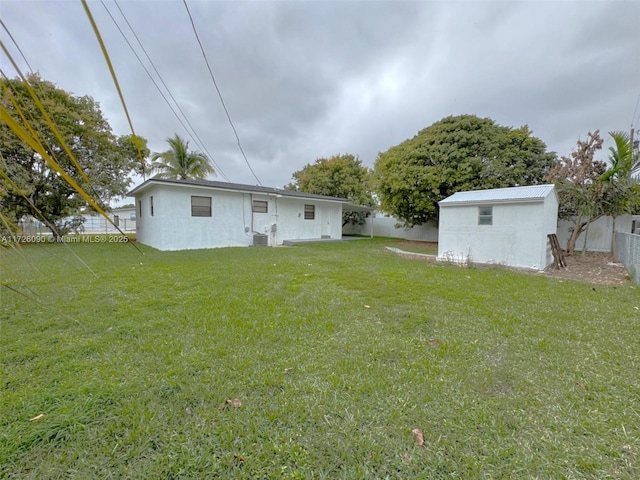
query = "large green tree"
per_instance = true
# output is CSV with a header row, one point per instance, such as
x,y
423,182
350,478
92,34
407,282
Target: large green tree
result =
x,y
33,187
341,176
457,153
181,163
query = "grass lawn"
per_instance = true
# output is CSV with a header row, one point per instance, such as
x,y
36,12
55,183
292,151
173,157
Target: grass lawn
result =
x,y
335,353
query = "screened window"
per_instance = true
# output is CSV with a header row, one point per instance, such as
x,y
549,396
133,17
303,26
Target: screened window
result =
x,y
485,215
200,206
260,206
151,204
116,220
309,212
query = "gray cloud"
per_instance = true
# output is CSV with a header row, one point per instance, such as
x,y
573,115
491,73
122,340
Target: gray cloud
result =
x,y
303,80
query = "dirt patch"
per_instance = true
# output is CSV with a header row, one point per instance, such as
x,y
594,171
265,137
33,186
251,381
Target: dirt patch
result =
x,y
592,268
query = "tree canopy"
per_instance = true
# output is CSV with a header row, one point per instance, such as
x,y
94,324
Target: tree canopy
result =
x,y
589,188
180,163
457,153
31,186
341,176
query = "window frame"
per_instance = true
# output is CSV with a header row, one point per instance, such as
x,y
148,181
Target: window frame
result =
x,y
208,212
140,208
260,206
151,204
309,211
485,215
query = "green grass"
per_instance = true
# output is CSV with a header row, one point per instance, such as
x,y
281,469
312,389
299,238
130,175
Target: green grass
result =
x,y
336,351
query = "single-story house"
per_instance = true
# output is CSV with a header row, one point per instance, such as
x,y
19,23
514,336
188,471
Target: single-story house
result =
x,y
507,226
189,214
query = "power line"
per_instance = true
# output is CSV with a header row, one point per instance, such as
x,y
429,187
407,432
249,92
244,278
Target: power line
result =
x,y
16,44
218,169
201,143
219,94
634,120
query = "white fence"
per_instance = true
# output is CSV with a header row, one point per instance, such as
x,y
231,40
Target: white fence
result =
x,y
600,234
628,252
384,226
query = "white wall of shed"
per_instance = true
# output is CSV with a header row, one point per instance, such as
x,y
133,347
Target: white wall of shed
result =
x,y
517,236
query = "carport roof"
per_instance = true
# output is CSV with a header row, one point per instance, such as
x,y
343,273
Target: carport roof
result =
x,y
533,193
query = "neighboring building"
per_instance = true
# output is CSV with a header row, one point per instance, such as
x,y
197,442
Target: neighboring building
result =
x,y
599,237
507,226
190,214
124,218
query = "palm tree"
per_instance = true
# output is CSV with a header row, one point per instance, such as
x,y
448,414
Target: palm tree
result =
x,y
622,189
180,163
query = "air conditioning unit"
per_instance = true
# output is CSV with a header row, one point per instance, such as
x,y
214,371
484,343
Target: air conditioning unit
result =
x,y
260,240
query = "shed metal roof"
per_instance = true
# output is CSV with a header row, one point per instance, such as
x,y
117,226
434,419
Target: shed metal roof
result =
x,y
533,193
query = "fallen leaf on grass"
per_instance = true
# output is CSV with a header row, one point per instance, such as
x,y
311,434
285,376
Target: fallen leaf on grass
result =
x,y
418,434
187,411
406,459
109,329
434,341
367,306
236,403
581,385
37,417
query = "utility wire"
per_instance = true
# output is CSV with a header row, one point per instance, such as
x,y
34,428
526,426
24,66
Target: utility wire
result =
x,y
219,94
16,44
199,144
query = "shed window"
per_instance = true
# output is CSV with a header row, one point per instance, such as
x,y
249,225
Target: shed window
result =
x,y
309,212
485,215
200,206
260,206
151,204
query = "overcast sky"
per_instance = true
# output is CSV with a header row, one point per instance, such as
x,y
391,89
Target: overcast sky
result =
x,y
303,80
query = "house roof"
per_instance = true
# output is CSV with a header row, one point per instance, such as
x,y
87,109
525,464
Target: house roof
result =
x,y
533,193
237,187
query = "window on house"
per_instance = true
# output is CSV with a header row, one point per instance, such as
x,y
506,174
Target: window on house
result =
x,y
200,206
309,212
132,217
151,204
485,215
116,220
260,206
140,208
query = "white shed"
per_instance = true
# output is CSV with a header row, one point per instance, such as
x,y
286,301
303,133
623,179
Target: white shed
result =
x,y
190,214
507,226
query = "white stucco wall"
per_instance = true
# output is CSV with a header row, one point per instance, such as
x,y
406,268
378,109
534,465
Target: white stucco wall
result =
x,y
385,226
599,237
232,222
517,236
